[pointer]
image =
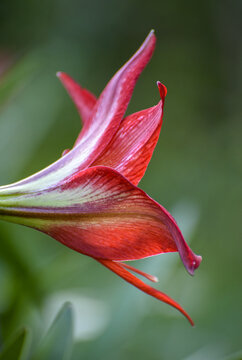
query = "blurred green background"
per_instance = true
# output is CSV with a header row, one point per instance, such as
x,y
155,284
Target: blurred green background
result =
x,y
195,173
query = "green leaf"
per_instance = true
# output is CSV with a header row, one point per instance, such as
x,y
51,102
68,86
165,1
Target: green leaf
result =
x,y
57,344
17,347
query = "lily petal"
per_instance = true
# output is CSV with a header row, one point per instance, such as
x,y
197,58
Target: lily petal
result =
x,y
118,269
99,213
131,148
114,99
82,98
103,124
112,103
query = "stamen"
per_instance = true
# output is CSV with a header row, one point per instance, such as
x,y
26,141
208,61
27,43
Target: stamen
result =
x,y
137,271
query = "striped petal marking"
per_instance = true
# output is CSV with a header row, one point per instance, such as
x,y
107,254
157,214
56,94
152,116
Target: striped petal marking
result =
x,y
99,213
88,199
101,127
132,146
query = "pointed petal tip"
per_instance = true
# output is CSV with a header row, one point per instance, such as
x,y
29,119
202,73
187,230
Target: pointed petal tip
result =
x,y
118,269
162,89
191,321
151,34
64,152
194,264
62,75
150,40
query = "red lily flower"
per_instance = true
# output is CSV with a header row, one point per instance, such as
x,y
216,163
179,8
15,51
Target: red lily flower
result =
x,y
88,199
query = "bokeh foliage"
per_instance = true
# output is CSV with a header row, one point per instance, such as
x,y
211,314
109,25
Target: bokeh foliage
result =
x,y
195,172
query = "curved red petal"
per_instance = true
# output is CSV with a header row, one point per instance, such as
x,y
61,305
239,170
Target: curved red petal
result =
x,y
98,212
113,101
124,274
82,98
101,127
131,148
